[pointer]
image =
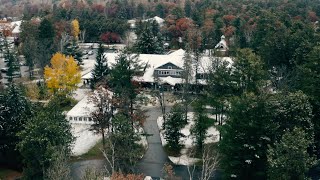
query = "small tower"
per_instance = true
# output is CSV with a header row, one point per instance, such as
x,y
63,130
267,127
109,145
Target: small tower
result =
x,y
222,47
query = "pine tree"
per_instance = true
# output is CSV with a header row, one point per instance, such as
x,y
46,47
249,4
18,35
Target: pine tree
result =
x,y
149,41
44,133
15,110
174,123
121,83
202,123
12,64
71,48
101,66
187,80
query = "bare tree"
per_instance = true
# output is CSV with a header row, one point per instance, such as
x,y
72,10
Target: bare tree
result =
x,y
159,94
191,167
210,162
169,173
82,35
110,168
65,38
92,174
102,99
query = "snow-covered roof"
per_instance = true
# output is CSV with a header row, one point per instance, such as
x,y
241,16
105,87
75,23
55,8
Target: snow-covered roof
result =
x,y
159,20
16,25
86,106
154,61
83,109
222,45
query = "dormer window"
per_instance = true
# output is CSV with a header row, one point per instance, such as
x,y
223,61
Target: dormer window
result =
x,y
169,67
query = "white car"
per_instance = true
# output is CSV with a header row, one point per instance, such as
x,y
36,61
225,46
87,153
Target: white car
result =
x,y
85,52
4,70
90,52
85,56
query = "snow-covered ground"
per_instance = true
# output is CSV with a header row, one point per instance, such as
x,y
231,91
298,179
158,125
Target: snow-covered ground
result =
x,y
188,141
85,139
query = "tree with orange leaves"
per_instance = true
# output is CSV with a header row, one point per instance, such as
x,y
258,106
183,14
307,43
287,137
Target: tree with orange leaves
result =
x,y
63,75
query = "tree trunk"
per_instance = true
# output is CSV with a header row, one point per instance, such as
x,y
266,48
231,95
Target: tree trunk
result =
x,y
103,139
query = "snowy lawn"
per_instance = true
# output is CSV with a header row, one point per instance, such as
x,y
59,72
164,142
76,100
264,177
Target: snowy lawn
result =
x,y
188,141
85,139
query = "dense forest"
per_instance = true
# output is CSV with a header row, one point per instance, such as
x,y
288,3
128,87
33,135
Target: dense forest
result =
x,y
268,102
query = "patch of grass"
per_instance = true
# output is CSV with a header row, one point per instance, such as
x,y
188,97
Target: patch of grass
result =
x,y
9,174
93,153
172,152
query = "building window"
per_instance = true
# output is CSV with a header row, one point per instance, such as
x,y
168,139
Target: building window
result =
x,y
85,118
70,118
169,67
90,119
75,118
80,118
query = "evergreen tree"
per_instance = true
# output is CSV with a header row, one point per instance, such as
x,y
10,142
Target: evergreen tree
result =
x,y
160,10
202,123
187,8
101,66
220,87
12,64
43,135
149,40
289,158
245,138
121,84
72,49
46,42
174,123
187,80
15,110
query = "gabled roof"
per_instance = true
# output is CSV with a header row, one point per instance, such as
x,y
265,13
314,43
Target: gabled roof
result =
x,y
169,64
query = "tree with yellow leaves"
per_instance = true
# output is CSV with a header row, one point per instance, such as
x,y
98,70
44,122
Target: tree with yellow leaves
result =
x,y
75,28
63,75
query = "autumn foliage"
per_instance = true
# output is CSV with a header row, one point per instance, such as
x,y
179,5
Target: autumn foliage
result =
x,y
63,75
75,28
110,37
120,176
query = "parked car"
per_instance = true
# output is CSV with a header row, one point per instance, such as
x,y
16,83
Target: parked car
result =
x,y
4,70
90,52
85,56
85,52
